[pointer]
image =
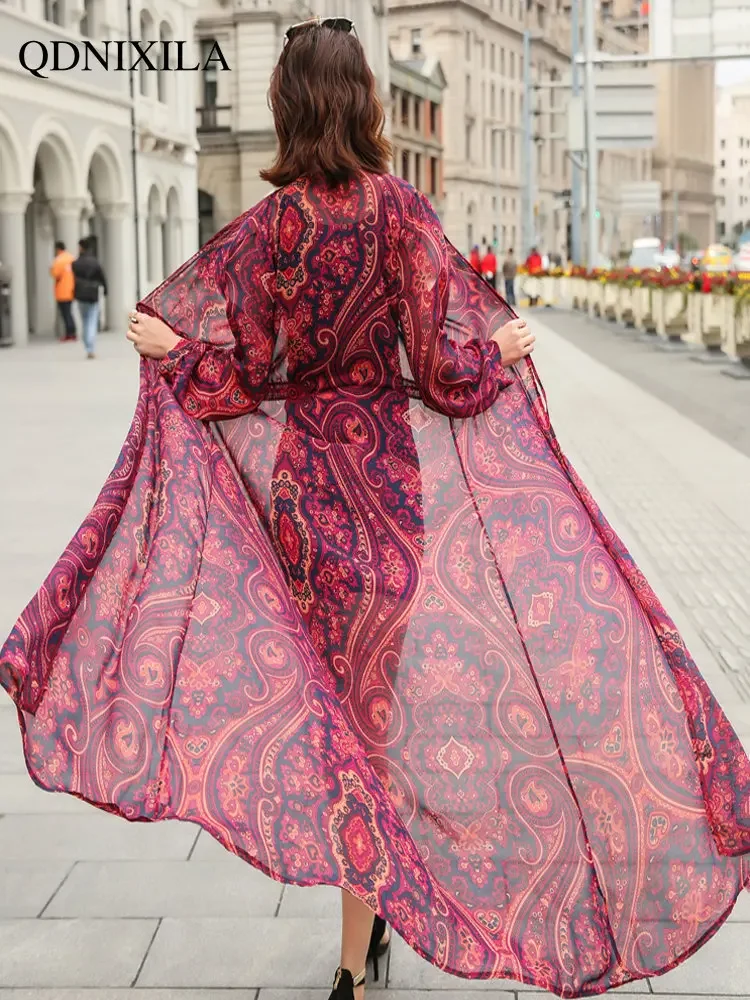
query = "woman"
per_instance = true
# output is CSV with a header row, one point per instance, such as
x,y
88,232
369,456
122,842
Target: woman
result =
x,y
344,603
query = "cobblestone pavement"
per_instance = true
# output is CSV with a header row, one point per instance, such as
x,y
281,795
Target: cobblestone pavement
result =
x,y
93,908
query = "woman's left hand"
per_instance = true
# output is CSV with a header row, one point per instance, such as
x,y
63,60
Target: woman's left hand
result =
x,y
150,336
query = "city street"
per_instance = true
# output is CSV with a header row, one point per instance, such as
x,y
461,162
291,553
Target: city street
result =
x,y
93,908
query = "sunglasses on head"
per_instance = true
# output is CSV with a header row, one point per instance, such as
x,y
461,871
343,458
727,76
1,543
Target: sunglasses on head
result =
x,y
335,23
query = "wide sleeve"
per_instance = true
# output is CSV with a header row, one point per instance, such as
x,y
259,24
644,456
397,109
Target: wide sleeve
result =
x,y
221,303
455,363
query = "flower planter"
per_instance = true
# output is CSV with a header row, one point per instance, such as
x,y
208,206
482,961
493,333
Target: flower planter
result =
x,y
670,312
624,309
595,301
695,317
549,290
736,340
713,312
578,292
610,301
651,307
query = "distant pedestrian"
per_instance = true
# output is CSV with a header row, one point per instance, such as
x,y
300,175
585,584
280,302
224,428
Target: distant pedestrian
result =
x,y
489,267
510,269
475,260
534,262
89,277
62,272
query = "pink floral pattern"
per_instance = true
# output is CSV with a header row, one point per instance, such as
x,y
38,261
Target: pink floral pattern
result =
x,y
344,603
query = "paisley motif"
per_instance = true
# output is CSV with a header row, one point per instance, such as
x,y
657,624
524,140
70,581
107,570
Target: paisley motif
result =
x,y
344,603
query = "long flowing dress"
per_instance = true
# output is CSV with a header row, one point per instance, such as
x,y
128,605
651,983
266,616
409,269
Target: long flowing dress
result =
x,y
344,603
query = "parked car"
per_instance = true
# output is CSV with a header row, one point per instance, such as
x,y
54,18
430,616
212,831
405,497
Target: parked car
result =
x,y
649,254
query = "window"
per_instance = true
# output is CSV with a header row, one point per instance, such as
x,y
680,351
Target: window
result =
x,y
467,140
210,76
502,62
468,46
468,90
512,64
493,52
162,79
433,118
416,41
418,114
86,25
418,182
405,165
722,163
492,100
493,148
146,36
53,11
405,109
434,175
502,150
481,54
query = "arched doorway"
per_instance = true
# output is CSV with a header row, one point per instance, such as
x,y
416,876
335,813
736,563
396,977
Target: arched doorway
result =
x,y
172,233
155,218
14,198
102,220
206,216
51,215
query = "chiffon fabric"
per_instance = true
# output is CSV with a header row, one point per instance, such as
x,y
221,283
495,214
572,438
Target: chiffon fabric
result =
x,y
344,603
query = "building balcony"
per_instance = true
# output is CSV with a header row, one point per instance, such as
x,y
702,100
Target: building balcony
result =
x,y
215,118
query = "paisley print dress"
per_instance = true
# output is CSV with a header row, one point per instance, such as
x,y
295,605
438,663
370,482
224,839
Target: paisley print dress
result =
x,y
344,603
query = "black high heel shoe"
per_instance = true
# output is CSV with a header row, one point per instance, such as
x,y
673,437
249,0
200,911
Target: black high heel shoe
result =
x,y
377,947
344,983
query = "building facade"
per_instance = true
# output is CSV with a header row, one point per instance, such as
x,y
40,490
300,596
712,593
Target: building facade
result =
x,y
683,159
732,183
67,162
235,124
479,44
417,86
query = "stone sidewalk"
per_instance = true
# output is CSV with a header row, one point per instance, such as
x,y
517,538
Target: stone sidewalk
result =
x,y
93,908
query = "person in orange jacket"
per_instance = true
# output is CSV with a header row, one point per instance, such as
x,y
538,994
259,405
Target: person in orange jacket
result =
x,y
62,272
475,260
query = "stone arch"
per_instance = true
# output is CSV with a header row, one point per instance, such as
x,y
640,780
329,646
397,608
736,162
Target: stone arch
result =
x,y
105,170
55,155
14,171
53,213
105,204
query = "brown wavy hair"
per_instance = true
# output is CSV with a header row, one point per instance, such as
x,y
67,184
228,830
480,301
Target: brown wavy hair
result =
x,y
328,117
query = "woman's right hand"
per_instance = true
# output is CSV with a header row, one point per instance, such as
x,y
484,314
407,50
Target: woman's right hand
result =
x,y
515,341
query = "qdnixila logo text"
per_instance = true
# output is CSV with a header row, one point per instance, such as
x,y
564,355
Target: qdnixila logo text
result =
x,y
60,56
